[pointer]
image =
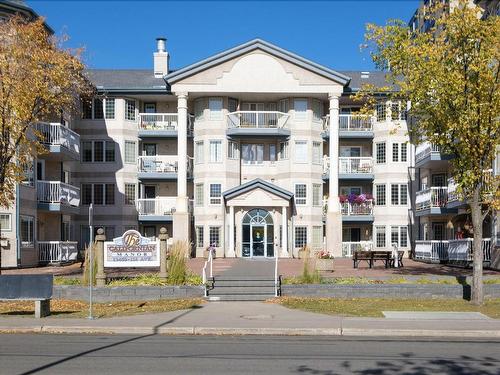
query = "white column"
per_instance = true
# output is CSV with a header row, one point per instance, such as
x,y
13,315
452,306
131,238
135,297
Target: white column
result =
x,y
182,152
284,239
231,251
333,151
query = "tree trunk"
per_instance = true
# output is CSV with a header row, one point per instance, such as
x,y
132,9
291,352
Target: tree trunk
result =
x,y
477,294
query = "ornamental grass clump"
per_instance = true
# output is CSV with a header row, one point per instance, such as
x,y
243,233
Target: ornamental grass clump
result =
x,y
176,265
86,265
309,274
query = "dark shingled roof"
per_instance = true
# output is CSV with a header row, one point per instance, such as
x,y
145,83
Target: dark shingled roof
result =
x,y
126,80
359,78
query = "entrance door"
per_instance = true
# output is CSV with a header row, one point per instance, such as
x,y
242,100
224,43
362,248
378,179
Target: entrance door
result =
x,y
149,206
258,240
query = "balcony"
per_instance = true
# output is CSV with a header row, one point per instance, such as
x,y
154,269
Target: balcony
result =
x,y
432,201
156,209
57,252
257,123
426,153
357,211
61,142
351,126
450,251
348,248
160,167
356,168
56,196
157,125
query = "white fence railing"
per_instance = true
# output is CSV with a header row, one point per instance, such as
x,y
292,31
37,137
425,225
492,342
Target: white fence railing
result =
x,y
158,121
452,190
57,251
257,119
57,192
450,250
366,208
156,206
355,165
436,196
351,123
348,248
157,164
57,134
425,149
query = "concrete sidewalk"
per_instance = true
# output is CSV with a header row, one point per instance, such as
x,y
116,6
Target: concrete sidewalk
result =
x,y
254,318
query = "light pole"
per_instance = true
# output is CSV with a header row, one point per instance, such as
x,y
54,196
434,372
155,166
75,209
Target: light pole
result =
x,y
91,261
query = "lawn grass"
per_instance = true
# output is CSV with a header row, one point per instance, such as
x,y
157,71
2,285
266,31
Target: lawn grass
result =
x,y
80,309
373,307
146,279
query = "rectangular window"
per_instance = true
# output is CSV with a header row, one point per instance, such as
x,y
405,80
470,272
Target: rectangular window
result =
x,y
215,151
87,152
317,194
110,108
199,236
403,236
395,235
130,157
5,222
283,154
98,109
110,151
300,108
317,157
399,194
404,152
300,236
199,195
86,194
380,153
87,109
129,110
301,151
394,194
317,109
198,108
215,107
380,109
300,194
252,153
272,152
110,194
98,198
99,194
317,236
27,231
283,106
395,152
199,150
396,113
215,193
130,194
232,150
380,236
380,195
214,236
98,151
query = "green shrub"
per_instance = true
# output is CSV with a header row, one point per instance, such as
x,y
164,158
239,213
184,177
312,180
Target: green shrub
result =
x,y
60,280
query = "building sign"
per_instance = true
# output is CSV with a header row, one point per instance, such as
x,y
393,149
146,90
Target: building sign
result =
x,y
131,250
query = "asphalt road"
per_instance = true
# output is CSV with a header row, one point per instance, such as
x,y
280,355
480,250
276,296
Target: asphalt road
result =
x,y
153,354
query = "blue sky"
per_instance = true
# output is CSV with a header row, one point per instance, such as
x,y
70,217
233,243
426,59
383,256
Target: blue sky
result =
x,y
121,34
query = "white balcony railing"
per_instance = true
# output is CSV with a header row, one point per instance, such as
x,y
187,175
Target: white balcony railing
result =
x,y
354,209
256,119
355,165
158,164
348,248
57,251
161,121
452,190
424,150
351,123
434,197
57,192
156,206
451,250
58,135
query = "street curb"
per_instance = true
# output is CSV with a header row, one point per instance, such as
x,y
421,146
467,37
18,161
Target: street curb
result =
x,y
227,331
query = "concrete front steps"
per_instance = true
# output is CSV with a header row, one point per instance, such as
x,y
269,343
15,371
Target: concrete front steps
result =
x,y
241,288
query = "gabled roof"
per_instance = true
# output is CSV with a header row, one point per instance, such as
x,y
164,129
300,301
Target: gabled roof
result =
x,y
19,6
126,80
251,46
257,183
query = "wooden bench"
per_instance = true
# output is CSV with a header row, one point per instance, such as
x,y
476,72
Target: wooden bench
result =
x,y
372,256
361,255
37,288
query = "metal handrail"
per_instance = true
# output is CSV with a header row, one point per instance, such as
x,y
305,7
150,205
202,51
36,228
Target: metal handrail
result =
x,y
276,275
204,271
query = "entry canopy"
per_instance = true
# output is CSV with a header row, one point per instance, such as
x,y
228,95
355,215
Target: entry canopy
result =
x,y
258,193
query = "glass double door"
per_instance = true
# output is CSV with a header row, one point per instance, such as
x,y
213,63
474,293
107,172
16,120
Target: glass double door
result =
x,y
258,240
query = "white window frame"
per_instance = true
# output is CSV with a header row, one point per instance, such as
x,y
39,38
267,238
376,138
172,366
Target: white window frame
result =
x,y
199,194
300,115
216,154
214,200
317,154
376,153
303,229
300,201
317,195
400,194
104,150
384,232
256,147
306,156
199,151
105,106
133,159
284,150
377,200
210,229
104,200
398,229
126,110
215,115
126,198
8,217
31,231
284,105
200,236
317,236
232,150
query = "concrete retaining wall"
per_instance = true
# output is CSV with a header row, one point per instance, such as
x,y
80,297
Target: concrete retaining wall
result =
x,y
127,293
386,291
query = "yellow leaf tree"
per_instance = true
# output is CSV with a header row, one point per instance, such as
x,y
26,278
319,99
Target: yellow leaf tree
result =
x,y
451,76
38,80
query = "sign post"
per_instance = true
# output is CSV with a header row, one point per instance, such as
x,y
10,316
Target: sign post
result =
x,y
91,228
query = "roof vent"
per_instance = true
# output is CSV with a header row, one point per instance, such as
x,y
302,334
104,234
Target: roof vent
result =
x,y
365,75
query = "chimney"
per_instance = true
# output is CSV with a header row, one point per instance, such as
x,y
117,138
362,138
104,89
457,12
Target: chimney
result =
x,y
160,58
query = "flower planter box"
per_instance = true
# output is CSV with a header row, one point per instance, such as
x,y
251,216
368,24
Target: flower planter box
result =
x,y
324,265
